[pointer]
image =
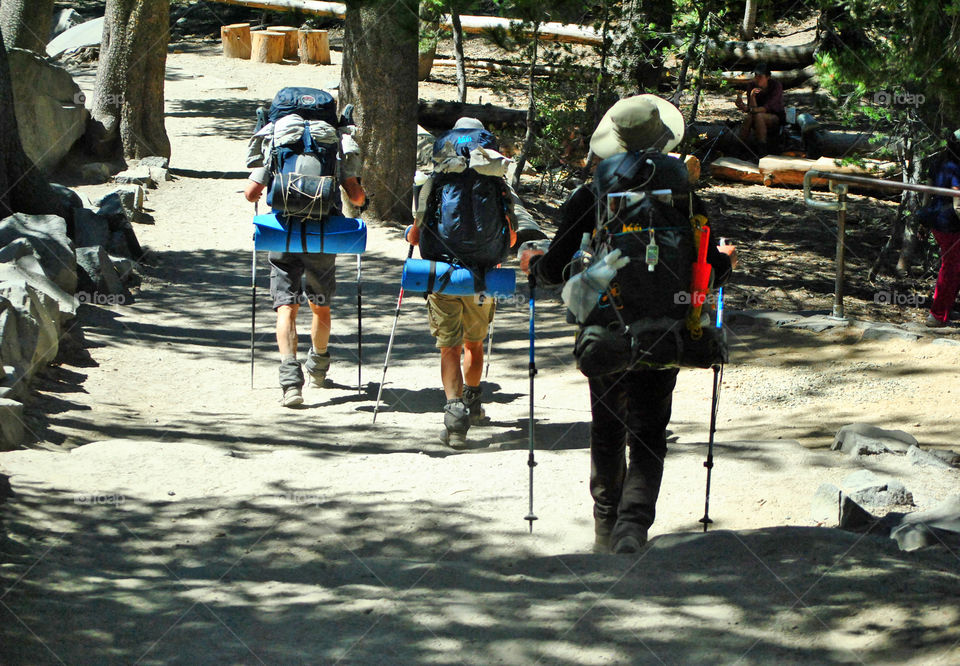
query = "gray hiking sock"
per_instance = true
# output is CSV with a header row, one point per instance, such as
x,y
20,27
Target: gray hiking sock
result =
x,y
455,416
290,372
471,399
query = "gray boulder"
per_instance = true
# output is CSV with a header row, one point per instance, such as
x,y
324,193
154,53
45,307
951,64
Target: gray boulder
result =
x,y
29,329
11,387
863,438
99,278
156,161
124,206
922,458
48,106
140,175
18,261
866,488
47,234
90,228
941,524
11,424
834,508
88,33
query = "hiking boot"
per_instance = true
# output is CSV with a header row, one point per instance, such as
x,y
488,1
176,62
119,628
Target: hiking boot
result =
x,y
292,396
456,423
933,322
471,399
630,541
316,367
601,538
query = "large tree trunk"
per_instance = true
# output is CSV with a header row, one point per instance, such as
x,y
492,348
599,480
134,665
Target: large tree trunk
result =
x,y
23,188
128,102
749,26
26,24
379,77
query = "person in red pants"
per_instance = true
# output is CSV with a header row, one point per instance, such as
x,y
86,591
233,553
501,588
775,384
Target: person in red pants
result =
x,y
942,216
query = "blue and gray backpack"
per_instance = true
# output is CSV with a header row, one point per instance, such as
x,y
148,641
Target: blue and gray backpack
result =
x,y
303,180
466,221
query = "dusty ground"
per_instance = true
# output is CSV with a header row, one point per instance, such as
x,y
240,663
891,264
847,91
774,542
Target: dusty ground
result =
x,y
170,512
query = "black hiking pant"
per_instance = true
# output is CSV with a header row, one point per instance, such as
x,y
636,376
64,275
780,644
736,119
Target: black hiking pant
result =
x,y
631,410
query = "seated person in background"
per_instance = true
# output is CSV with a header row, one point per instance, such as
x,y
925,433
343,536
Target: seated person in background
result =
x,y
763,110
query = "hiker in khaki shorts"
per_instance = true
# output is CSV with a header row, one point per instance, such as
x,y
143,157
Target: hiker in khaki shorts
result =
x,y
460,323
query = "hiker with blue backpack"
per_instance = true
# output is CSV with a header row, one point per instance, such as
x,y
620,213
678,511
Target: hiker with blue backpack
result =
x,y
465,215
633,247
308,162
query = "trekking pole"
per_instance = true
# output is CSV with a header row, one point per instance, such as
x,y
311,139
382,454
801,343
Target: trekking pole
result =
x,y
531,463
253,303
717,378
486,373
359,332
393,331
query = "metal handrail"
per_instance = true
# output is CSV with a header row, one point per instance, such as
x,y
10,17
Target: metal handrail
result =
x,y
838,183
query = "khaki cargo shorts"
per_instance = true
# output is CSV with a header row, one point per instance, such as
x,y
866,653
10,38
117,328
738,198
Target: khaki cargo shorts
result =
x,y
454,319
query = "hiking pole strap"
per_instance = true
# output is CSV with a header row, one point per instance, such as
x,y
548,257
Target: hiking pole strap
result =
x,y
717,378
531,462
393,331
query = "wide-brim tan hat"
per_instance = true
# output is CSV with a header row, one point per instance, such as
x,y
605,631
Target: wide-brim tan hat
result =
x,y
641,122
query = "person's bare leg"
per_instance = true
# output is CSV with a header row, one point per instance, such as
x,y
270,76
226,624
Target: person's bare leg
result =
x,y
287,329
320,327
472,362
450,373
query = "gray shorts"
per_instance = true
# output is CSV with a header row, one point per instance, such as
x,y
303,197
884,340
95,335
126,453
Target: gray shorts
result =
x,y
286,271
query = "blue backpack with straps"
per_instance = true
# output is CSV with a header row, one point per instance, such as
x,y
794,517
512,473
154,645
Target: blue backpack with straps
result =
x,y
465,222
303,181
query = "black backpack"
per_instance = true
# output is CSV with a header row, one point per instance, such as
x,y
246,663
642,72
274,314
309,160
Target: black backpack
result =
x,y
303,181
645,318
465,222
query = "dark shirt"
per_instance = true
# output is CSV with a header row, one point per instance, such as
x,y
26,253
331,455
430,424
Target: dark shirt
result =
x,y
772,98
578,217
945,218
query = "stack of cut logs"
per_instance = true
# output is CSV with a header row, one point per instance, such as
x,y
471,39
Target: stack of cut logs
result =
x,y
275,44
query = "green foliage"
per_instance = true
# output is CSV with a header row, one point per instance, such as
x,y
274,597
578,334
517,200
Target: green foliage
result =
x,y
894,64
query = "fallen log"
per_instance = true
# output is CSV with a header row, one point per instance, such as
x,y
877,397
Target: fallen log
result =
x,y
745,55
441,114
790,171
740,171
550,31
788,78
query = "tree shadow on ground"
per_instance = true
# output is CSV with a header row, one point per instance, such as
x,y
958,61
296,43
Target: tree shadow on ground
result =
x,y
295,574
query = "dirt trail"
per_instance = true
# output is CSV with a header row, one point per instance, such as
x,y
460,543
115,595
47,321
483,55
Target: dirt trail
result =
x,y
172,513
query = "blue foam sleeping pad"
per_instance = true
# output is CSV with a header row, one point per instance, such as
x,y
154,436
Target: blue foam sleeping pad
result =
x,y
424,276
330,235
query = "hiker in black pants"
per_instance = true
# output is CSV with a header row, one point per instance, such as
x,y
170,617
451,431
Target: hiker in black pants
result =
x,y
630,409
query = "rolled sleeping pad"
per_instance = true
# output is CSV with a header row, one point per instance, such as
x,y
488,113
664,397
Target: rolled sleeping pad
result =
x,y
425,276
331,235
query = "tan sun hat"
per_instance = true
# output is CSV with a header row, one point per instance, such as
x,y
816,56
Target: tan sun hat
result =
x,y
638,123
